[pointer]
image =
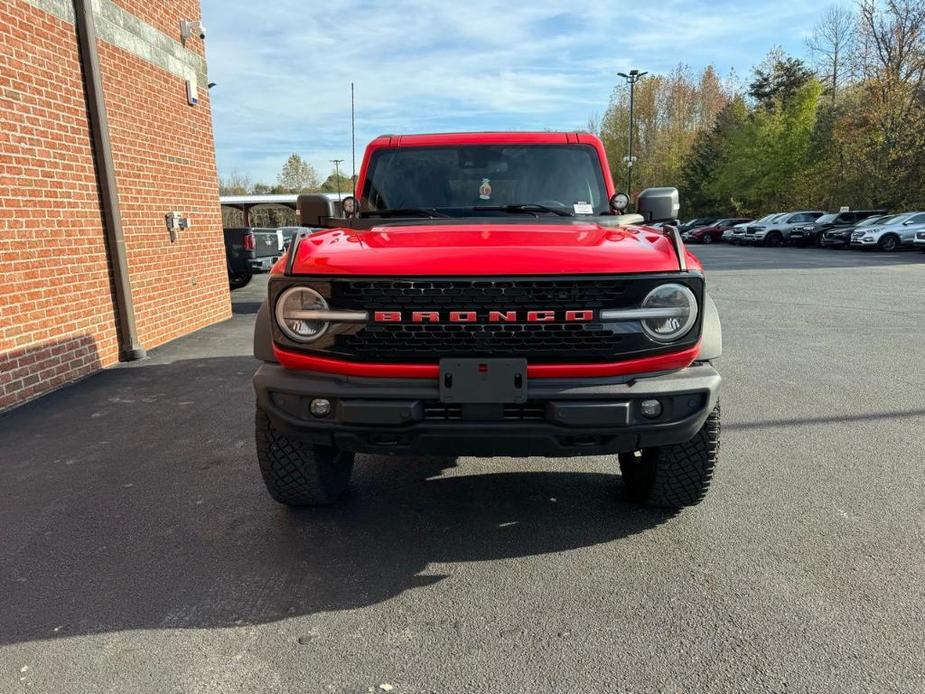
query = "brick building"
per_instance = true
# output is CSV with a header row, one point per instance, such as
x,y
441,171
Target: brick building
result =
x,y
98,142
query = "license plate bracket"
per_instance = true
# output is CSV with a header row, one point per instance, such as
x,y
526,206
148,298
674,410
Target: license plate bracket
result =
x,y
483,380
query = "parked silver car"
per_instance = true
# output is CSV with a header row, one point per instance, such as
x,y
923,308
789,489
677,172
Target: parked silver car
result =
x,y
777,231
920,241
892,233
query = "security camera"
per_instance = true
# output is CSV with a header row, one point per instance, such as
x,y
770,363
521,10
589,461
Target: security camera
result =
x,y
189,27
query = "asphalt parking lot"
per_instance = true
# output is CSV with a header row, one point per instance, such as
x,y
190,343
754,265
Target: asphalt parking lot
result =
x,y
140,552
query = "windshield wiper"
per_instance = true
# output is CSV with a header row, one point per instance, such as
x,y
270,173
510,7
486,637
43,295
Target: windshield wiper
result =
x,y
527,207
406,212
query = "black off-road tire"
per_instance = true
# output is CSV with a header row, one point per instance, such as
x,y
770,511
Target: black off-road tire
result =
x,y
298,473
674,476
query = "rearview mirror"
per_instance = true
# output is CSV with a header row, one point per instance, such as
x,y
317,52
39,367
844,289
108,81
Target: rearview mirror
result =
x,y
659,204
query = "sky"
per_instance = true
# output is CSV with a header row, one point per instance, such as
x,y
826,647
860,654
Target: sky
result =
x,y
283,68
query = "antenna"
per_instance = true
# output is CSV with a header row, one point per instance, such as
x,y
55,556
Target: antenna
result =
x,y
353,139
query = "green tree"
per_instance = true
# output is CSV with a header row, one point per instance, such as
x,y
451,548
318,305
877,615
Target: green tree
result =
x,y
778,78
297,176
335,183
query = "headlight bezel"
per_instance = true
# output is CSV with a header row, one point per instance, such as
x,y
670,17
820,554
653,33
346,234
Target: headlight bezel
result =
x,y
689,319
280,307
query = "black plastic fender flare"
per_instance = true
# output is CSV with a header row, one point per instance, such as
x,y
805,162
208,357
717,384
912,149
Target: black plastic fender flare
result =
x,y
263,335
711,341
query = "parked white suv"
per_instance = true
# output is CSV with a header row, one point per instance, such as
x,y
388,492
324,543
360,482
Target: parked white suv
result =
x,y
891,233
737,233
777,231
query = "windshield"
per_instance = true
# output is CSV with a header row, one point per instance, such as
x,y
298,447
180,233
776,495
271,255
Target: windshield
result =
x,y
485,178
892,219
827,219
875,220
767,218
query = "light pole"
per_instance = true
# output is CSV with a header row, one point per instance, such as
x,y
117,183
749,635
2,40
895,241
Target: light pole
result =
x,y
337,163
632,78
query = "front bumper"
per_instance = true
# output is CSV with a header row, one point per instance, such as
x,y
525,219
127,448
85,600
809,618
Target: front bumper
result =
x,y
835,241
562,417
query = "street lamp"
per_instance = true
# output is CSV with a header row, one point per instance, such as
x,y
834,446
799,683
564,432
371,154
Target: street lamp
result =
x,y
632,78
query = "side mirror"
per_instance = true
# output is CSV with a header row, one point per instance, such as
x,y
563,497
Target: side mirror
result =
x,y
659,204
315,209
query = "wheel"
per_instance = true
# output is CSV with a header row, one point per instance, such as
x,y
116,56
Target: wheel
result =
x,y
239,280
298,473
888,243
707,239
674,476
774,239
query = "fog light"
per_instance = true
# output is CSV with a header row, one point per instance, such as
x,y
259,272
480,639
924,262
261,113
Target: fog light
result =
x,y
651,408
320,407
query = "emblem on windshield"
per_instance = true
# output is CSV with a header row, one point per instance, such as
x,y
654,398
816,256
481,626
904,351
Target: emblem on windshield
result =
x,y
485,189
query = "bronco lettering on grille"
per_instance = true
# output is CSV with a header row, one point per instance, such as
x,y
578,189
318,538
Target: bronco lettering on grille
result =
x,y
542,316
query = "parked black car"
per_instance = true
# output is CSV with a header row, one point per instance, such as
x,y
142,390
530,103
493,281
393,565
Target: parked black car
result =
x,y
698,222
812,234
250,251
840,237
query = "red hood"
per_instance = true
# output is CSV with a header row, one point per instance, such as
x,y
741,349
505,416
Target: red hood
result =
x,y
487,249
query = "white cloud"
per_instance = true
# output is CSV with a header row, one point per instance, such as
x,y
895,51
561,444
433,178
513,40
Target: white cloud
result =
x,y
284,68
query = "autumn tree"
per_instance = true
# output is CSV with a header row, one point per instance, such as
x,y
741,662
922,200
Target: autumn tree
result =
x,y
670,110
297,176
830,45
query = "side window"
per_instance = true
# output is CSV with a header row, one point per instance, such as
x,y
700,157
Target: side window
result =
x,y
800,218
918,219
847,218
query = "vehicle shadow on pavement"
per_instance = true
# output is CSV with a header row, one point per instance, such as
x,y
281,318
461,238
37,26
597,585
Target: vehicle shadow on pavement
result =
x,y
133,501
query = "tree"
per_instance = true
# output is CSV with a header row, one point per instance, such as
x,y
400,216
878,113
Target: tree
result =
x,y
884,130
235,183
779,77
830,44
335,183
670,110
297,176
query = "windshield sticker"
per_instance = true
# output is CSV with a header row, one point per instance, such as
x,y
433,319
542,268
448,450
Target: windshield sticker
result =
x,y
583,208
485,189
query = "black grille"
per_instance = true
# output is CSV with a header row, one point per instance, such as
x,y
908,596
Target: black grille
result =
x,y
478,294
552,342
548,341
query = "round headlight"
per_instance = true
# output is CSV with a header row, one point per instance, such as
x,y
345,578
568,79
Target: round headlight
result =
x,y
293,314
673,310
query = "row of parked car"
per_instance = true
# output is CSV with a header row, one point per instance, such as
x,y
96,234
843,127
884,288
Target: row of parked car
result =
x,y
847,229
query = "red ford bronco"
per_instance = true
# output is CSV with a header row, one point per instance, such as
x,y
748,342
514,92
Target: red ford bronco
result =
x,y
484,294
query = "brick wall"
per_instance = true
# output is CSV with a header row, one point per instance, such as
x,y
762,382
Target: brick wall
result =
x,y
57,316
165,16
